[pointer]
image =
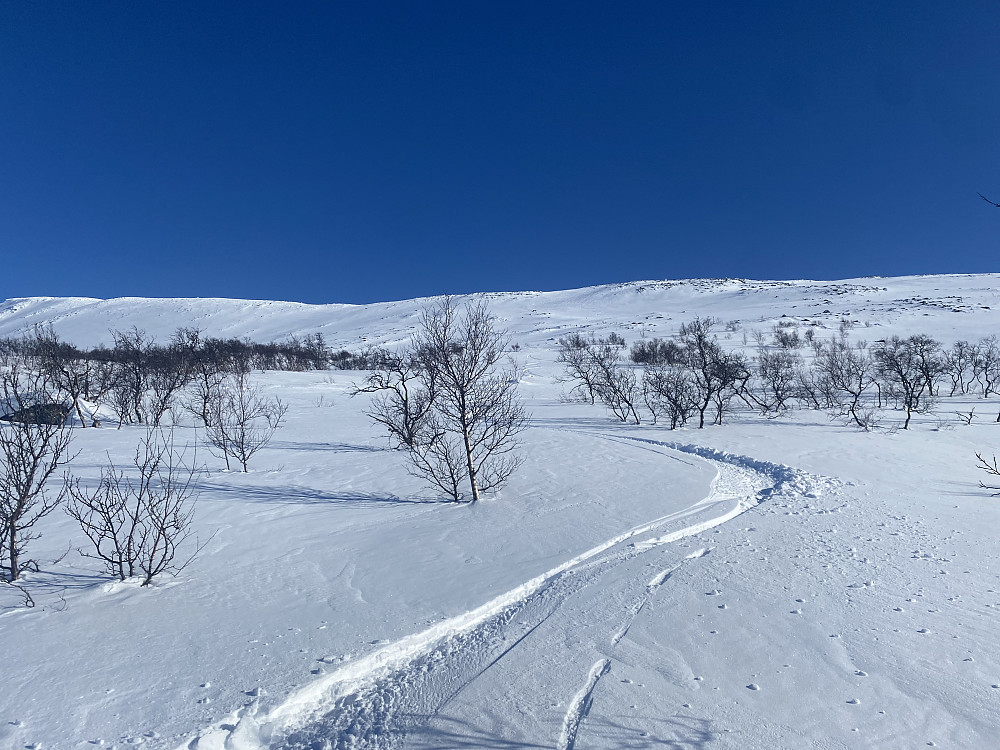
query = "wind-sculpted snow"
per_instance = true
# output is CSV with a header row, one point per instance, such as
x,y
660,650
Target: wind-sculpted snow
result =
x,y
374,701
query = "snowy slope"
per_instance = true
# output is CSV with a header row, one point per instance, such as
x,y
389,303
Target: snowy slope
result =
x,y
947,306
766,584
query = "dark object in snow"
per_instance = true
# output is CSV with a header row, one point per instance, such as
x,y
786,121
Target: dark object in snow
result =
x,y
55,414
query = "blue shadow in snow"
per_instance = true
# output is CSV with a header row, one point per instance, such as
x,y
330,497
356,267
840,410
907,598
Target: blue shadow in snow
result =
x,y
297,495
288,445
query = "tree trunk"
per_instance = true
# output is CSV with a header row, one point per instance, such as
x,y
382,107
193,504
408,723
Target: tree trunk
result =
x,y
12,541
79,411
468,460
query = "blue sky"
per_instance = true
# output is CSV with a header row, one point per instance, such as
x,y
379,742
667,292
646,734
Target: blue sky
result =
x,y
354,152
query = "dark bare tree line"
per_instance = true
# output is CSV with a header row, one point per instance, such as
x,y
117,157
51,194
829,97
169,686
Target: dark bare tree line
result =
x,y
144,380
692,378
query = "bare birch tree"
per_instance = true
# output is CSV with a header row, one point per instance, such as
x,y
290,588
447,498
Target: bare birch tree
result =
x,y
243,419
470,433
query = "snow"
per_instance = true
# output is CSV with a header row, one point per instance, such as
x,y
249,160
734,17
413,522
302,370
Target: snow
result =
x,y
764,584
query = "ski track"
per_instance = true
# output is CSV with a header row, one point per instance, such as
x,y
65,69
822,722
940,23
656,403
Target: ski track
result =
x,y
580,706
372,701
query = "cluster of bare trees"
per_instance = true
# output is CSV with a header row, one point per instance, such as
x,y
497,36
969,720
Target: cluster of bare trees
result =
x,y
139,521
449,401
144,380
679,380
33,447
140,518
692,376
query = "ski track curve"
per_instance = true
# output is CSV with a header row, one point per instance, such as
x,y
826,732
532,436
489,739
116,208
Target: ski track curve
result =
x,y
579,707
372,701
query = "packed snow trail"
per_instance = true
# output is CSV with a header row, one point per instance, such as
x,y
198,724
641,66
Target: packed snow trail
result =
x,y
375,700
580,705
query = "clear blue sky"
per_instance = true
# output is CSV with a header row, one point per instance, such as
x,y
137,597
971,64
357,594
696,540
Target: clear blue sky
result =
x,y
356,151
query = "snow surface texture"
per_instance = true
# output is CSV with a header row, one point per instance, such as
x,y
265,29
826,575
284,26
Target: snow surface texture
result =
x,y
631,587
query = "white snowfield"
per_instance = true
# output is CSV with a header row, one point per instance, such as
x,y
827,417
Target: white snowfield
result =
x,y
786,583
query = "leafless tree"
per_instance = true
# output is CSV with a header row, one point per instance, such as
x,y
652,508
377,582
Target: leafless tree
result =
x,y
735,375
170,369
958,362
577,359
656,352
615,385
131,374
138,522
64,367
470,433
847,371
986,364
403,396
32,447
203,391
669,390
714,372
930,360
903,365
787,336
776,382
243,419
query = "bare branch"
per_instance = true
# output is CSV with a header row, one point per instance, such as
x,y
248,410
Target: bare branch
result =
x,y
991,468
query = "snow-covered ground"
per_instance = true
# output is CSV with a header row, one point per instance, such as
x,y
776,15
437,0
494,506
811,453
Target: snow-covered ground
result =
x,y
788,583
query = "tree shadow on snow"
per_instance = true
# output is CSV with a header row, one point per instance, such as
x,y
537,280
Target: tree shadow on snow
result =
x,y
297,495
961,489
456,733
673,733
291,445
48,589
578,423
677,733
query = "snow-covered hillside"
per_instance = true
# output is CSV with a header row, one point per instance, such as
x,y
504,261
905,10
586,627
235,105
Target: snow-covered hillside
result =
x,y
784,583
634,309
